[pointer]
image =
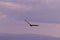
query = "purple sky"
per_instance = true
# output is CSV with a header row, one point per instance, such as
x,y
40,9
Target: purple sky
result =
x,y
43,12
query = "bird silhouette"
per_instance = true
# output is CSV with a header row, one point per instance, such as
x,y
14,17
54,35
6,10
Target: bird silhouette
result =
x,y
30,23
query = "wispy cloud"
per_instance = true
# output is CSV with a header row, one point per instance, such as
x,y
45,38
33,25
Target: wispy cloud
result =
x,y
15,6
37,10
16,27
2,16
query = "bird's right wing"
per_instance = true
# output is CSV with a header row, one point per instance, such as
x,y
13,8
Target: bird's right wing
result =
x,y
27,21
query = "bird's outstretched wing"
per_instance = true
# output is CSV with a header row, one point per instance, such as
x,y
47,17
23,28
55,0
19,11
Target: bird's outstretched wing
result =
x,y
27,21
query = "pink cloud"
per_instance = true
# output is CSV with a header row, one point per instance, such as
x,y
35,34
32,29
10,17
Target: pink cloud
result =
x,y
16,27
15,6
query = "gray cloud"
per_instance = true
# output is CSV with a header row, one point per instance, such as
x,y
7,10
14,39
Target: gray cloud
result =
x,y
14,11
38,10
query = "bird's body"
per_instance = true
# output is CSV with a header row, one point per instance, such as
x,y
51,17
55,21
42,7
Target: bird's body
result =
x,y
31,24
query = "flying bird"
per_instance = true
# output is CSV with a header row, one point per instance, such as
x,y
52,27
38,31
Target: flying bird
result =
x,y
31,24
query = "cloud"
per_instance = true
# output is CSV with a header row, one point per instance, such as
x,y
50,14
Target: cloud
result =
x,y
2,16
15,6
39,10
21,27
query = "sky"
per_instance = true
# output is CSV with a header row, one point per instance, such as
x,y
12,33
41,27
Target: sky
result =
x,y
46,13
